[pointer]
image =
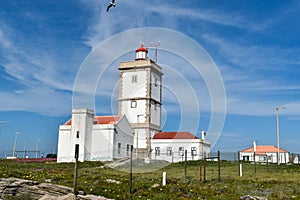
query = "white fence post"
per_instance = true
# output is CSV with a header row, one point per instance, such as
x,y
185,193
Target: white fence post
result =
x,y
164,182
241,169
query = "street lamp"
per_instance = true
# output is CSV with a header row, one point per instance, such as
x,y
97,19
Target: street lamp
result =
x,y
2,122
278,132
15,146
137,134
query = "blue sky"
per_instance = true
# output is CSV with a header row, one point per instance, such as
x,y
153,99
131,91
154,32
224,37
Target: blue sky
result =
x,y
255,45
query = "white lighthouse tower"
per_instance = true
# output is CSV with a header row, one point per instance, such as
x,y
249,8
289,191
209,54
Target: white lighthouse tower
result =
x,y
140,98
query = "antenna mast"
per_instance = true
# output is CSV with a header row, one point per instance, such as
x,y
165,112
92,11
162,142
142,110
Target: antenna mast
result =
x,y
156,47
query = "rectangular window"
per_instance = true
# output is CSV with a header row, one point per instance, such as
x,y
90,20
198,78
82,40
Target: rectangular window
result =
x,y
127,149
169,151
133,104
193,151
156,82
119,148
77,134
181,151
134,79
157,151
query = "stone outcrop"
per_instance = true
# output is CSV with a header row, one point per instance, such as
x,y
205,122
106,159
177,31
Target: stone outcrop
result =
x,y
25,189
248,197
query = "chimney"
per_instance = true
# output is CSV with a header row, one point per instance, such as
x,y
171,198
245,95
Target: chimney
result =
x,y
203,135
254,146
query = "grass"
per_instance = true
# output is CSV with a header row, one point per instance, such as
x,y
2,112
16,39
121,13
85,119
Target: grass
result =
x,y
273,182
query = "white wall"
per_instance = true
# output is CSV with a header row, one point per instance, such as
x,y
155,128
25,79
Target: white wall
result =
x,y
131,113
102,142
82,121
141,134
155,88
155,114
272,157
124,136
64,144
132,90
187,144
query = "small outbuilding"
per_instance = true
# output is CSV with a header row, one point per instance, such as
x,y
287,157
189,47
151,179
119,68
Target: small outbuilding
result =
x,y
171,146
264,153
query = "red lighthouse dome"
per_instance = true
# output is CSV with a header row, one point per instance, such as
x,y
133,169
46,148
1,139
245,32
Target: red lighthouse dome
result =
x,y
141,53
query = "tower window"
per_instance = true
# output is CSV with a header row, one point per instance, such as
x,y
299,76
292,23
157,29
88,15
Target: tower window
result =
x,y
133,104
134,79
127,149
156,82
181,151
77,134
157,151
193,151
169,151
119,148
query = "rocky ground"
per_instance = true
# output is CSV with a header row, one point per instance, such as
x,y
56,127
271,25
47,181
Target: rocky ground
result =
x,y
14,188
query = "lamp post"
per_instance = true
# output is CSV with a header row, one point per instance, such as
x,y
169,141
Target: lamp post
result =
x,y
37,147
15,146
278,132
2,122
137,134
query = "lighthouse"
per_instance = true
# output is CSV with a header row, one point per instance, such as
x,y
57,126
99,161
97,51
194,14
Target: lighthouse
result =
x,y
140,98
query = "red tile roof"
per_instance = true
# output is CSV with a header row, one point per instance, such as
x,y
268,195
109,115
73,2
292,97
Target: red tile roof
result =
x,y
174,135
101,120
106,119
264,149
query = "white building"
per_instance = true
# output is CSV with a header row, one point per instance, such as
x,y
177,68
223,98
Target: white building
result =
x,y
100,138
264,154
171,146
140,98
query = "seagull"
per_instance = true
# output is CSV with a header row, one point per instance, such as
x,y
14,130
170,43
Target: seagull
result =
x,y
112,3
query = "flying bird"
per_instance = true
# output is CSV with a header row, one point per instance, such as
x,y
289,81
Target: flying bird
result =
x,y
112,4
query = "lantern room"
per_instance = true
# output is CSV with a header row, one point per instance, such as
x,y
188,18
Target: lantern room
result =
x,y
141,53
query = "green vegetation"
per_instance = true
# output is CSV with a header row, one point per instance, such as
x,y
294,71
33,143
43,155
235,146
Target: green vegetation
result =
x,y
272,181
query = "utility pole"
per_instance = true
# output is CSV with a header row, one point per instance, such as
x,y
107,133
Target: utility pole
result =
x,y
278,132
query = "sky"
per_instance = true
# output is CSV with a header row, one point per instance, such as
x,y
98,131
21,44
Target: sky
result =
x,y
254,45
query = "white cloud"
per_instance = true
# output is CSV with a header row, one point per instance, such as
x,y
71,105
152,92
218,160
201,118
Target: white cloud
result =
x,y
40,100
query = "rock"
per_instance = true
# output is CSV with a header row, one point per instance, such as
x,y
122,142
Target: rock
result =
x,y
91,197
48,197
112,181
248,197
155,185
81,192
14,187
69,196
